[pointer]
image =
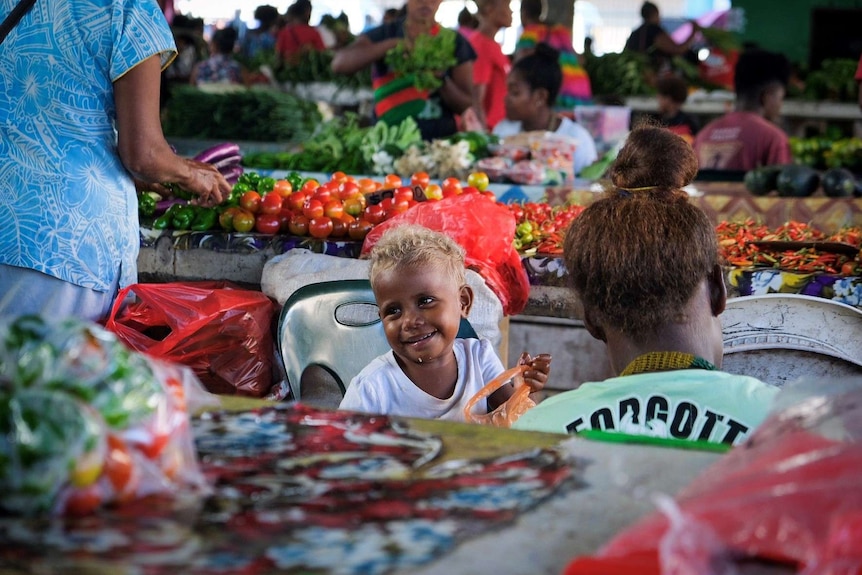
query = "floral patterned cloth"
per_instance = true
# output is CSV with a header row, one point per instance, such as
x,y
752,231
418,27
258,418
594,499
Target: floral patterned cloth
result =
x,y
299,490
843,289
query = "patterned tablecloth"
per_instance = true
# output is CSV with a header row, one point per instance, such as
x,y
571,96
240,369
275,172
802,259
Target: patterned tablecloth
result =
x,y
300,490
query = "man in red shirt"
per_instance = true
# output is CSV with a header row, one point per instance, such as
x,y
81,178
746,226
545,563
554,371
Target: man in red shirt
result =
x,y
297,36
748,137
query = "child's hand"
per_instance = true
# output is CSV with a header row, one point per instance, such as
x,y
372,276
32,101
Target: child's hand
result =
x,y
540,366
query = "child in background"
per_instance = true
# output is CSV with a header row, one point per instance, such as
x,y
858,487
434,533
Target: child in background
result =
x,y
531,89
672,94
418,280
220,67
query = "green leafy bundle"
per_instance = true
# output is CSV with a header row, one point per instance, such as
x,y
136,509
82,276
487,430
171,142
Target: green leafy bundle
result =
x,y
257,114
429,56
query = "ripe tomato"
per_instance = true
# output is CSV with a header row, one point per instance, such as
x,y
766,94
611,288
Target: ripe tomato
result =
x,y
391,181
358,229
119,466
339,177
478,180
325,192
387,203
250,201
333,209
348,190
469,190
354,205
434,192
82,501
398,206
283,220
267,224
312,209
243,221
403,193
320,227
367,186
270,204
374,213
452,185
296,200
298,225
283,188
339,228
421,179
309,185
225,219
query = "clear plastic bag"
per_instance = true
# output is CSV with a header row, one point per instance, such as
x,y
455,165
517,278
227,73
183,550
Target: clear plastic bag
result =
x,y
513,408
790,494
85,421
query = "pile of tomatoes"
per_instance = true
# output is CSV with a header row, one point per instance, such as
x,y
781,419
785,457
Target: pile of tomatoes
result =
x,y
343,207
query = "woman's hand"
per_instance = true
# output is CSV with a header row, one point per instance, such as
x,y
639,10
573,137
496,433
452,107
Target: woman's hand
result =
x,y
539,369
206,182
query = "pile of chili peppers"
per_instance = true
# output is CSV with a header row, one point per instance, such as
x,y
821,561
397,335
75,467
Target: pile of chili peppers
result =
x,y
736,239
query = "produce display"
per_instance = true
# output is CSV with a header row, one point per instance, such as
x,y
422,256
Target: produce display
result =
x,y
84,421
826,152
800,181
343,144
257,114
795,246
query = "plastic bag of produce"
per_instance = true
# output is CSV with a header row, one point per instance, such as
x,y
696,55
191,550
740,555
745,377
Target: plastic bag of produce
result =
x,y
85,421
790,494
221,331
484,229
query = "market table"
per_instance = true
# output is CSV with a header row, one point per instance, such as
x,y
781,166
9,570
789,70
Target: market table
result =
x,y
298,490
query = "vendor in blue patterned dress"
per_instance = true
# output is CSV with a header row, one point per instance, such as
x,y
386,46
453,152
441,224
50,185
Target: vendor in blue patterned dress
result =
x,y
79,125
644,263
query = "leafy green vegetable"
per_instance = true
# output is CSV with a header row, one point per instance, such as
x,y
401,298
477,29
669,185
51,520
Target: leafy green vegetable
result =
x,y
256,114
429,57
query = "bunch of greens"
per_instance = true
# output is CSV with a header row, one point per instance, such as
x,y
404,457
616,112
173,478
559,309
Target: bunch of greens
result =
x,y
833,81
425,60
316,66
619,74
257,114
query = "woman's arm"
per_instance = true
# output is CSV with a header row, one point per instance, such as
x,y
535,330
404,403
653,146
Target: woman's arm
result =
x,y
142,146
457,88
666,44
361,54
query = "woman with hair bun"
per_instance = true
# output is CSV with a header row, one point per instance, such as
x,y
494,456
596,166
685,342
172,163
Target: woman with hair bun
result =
x,y
644,263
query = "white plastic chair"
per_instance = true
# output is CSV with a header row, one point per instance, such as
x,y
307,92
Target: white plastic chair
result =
x,y
781,337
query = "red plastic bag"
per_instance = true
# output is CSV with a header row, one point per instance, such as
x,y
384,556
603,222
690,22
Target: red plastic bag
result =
x,y
486,231
221,331
790,494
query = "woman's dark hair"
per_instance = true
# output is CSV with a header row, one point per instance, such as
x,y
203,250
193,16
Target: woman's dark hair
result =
x,y
757,69
673,87
648,10
267,15
225,40
541,69
533,9
637,255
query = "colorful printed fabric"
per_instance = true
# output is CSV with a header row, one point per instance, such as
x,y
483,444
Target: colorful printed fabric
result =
x,y
847,290
68,204
299,490
576,89
219,69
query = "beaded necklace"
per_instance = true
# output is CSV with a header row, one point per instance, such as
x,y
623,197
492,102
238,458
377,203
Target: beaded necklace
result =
x,y
666,361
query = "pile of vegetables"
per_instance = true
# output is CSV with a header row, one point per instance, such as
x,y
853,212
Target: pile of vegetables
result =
x,y
316,66
540,227
425,60
794,246
85,421
833,81
799,181
826,152
343,144
254,114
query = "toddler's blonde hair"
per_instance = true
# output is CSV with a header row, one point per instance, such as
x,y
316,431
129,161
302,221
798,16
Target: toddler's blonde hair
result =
x,y
413,246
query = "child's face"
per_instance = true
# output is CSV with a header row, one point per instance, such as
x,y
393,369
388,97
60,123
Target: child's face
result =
x,y
520,100
421,309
